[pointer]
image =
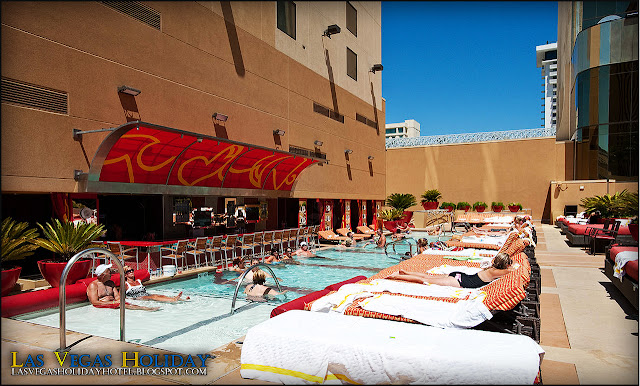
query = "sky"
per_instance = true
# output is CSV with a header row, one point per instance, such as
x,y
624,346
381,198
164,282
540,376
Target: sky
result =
x,y
465,67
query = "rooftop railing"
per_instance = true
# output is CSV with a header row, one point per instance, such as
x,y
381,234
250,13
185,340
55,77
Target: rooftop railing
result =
x,y
470,137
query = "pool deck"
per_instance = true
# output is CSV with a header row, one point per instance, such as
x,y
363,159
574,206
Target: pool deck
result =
x,y
588,330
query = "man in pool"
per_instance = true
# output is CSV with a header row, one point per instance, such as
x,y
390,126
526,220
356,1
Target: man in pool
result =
x,y
381,241
103,293
287,257
304,251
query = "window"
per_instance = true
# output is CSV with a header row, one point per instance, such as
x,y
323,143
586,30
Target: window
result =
x,y
390,131
287,17
352,64
352,19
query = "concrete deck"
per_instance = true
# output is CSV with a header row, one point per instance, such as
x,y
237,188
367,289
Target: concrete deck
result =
x,y
589,332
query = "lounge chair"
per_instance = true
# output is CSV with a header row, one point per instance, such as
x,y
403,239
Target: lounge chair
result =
x,y
330,236
356,236
365,230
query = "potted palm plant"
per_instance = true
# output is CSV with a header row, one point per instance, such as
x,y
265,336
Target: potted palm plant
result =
x,y
401,202
65,239
479,206
17,243
633,228
463,205
430,199
497,206
514,206
450,206
390,218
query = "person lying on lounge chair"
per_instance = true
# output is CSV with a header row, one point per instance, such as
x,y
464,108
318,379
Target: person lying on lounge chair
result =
x,y
136,290
303,251
258,291
103,293
435,230
501,266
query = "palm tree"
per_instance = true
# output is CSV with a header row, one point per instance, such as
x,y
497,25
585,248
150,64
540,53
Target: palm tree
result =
x,y
401,201
65,239
620,204
17,240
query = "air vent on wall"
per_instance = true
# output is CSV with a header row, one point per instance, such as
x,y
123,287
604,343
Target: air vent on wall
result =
x,y
320,109
36,97
136,10
366,121
306,152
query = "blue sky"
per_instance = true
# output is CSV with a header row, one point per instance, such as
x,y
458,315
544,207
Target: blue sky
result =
x,y
465,67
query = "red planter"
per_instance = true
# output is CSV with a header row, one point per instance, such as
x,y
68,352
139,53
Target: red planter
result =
x,y
52,271
429,205
497,208
466,208
448,208
633,229
9,279
391,226
480,209
514,208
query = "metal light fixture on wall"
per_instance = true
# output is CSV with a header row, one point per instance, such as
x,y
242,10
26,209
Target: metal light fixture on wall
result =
x,y
129,90
317,143
278,132
220,117
370,158
376,67
348,151
331,30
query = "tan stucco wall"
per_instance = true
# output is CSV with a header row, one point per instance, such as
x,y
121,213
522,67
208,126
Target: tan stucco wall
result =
x,y
571,192
515,170
195,66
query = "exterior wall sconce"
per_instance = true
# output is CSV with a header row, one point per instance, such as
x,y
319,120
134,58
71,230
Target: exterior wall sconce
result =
x,y
199,140
348,151
220,117
317,143
331,30
129,90
376,67
78,175
278,132
370,158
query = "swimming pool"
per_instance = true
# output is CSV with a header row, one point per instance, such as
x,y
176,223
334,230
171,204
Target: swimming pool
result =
x,y
205,322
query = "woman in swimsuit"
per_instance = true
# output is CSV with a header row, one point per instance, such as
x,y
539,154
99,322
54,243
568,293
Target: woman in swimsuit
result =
x,y
501,266
258,291
135,289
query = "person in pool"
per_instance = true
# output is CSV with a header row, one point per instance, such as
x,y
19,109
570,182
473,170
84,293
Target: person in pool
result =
x,y
274,257
258,291
103,293
501,266
136,290
237,265
381,241
303,251
287,257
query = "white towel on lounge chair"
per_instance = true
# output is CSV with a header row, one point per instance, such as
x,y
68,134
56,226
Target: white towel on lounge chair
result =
x,y
469,252
332,348
447,269
623,258
496,240
498,219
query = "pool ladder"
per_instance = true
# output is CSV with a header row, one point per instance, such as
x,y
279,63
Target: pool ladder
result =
x,y
62,292
401,241
241,278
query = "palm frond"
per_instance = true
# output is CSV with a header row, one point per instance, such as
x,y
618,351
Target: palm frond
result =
x,y
66,238
17,240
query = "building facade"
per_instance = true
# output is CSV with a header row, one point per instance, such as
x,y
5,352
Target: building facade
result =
x,y
410,128
598,87
547,60
143,111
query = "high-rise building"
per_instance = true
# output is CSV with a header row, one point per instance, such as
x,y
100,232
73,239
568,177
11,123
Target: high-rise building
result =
x,y
150,109
408,128
547,59
598,87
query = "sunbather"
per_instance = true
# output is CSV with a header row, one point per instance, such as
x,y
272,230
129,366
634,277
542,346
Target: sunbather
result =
x,y
258,291
136,290
501,266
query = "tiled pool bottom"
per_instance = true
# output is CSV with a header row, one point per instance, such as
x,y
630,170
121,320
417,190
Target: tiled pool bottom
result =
x,y
205,322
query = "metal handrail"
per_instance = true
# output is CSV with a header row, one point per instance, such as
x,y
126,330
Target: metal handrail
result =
x,y
235,294
62,292
403,240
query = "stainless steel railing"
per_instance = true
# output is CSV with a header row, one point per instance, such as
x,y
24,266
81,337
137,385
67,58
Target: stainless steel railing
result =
x,y
235,294
62,292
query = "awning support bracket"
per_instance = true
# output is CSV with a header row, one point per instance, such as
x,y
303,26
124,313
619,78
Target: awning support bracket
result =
x,y
77,133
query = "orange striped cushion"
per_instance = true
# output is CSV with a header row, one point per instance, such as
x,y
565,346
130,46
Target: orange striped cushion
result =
x,y
455,243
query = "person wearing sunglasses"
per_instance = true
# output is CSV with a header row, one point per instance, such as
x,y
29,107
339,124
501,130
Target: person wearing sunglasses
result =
x,y
136,290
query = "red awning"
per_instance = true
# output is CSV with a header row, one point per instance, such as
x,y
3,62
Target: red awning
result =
x,y
150,155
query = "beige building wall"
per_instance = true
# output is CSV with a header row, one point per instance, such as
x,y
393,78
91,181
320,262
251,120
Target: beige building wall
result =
x,y
571,192
207,57
506,171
